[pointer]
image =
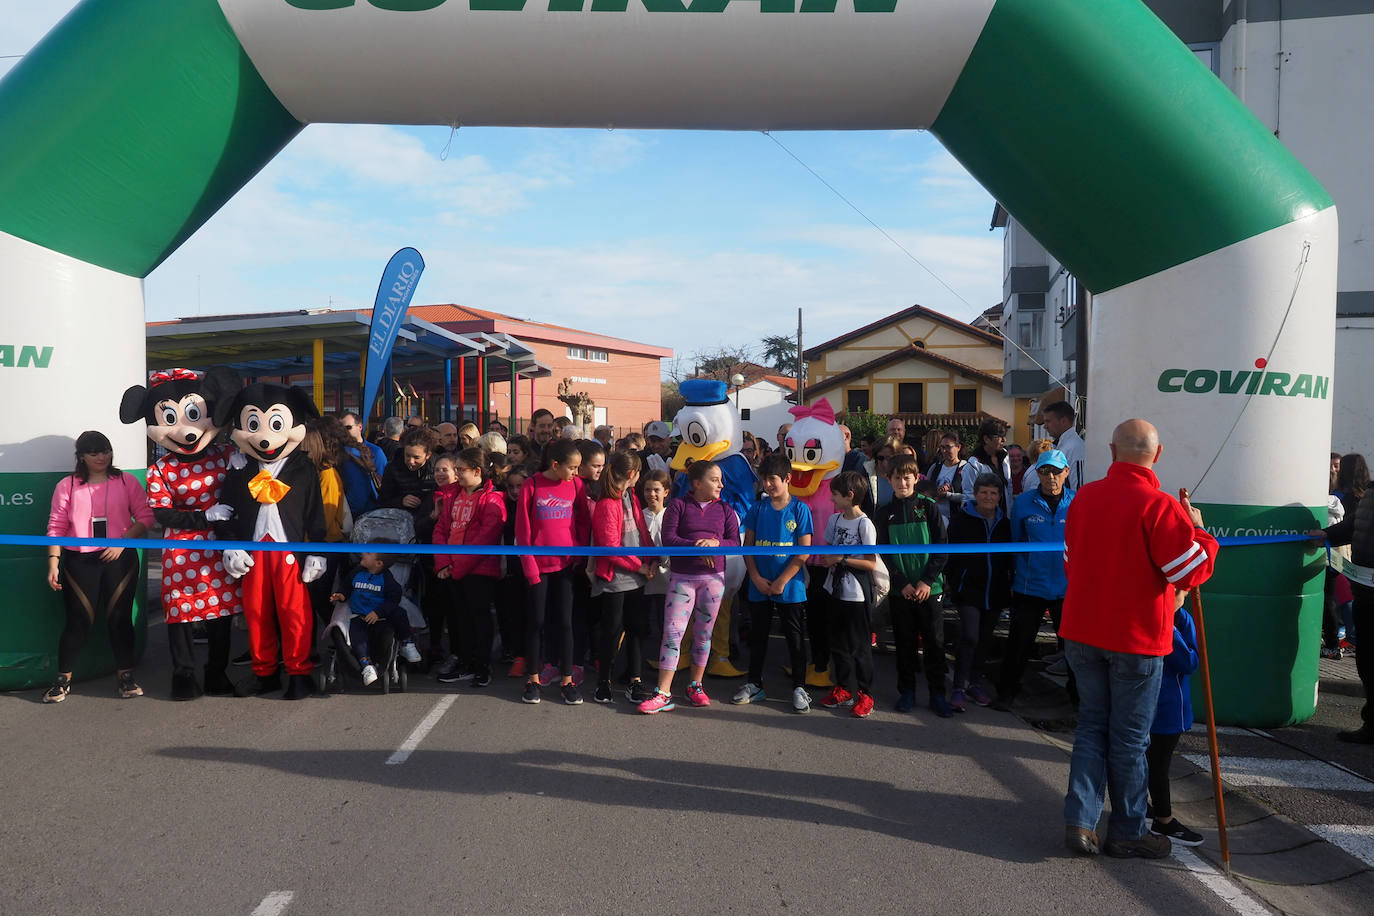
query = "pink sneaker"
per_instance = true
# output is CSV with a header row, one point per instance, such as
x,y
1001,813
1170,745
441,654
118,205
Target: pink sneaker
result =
x,y
577,674
697,696
549,675
659,702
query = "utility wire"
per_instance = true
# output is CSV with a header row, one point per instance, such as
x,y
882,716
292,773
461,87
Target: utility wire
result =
x,y
902,248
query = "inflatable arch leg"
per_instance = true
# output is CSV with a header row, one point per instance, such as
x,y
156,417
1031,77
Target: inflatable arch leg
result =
x,y
1209,247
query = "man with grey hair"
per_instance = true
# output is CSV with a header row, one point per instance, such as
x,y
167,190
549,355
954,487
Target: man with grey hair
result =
x,y
390,443
1131,552
448,438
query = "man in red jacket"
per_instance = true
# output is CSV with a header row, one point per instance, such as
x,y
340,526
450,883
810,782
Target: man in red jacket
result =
x,y
1131,553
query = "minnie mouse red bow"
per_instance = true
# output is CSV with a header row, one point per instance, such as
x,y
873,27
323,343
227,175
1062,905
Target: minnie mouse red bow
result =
x,y
171,375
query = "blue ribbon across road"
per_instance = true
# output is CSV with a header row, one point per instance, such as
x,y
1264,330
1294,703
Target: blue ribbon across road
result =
x,y
488,550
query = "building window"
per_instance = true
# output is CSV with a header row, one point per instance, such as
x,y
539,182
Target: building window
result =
x,y
744,413
965,400
587,353
911,397
1030,330
856,399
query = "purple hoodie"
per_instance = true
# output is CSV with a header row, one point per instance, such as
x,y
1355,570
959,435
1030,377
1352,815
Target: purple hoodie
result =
x,y
687,521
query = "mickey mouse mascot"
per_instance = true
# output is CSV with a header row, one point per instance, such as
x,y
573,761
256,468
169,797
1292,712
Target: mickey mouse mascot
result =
x,y
183,491
275,497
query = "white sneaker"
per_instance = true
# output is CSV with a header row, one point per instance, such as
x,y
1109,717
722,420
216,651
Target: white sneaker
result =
x,y
369,675
749,693
409,652
801,700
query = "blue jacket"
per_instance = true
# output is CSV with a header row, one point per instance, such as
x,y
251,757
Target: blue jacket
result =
x,y
1039,574
1174,714
358,488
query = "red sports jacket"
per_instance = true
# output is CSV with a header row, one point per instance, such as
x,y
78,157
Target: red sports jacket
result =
x,y
1128,545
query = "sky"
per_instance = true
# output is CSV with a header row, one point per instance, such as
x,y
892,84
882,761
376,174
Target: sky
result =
x,y
686,239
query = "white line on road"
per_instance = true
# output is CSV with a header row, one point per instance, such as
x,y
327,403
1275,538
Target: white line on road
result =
x,y
1358,840
1294,774
274,904
426,724
1229,892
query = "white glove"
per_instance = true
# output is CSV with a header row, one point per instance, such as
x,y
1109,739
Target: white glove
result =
x,y
238,461
219,512
237,562
313,568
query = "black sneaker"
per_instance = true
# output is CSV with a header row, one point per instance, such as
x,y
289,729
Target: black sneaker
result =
x,y
638,692
1176,832
128,687
59,690
603,692
532,693
242,661
571,695
481,679
1149,846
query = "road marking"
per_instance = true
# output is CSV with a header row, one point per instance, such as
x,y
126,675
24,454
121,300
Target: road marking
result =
x,y
426,724
1229,891
1293,774
1358,840
274,904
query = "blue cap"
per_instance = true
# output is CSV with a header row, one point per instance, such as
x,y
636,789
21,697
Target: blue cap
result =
x,y
703,392
1051,458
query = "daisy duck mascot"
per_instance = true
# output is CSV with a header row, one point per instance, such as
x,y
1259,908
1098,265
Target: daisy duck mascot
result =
x,y
275,496
710,428
184,485
815,446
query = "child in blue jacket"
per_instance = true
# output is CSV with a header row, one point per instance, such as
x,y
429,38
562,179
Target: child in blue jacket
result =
x,y
1173,717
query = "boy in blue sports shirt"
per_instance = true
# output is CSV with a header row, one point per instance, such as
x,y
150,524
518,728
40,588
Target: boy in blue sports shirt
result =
x,y
776,520
373,594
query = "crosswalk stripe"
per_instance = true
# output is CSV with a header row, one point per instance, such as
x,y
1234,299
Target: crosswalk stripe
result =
x,y
1356,839
1294,774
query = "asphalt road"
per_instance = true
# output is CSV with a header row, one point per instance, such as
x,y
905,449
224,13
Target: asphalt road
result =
x,y
230,806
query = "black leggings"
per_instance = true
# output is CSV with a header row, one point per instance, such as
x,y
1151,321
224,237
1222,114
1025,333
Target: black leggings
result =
x,y
181,642
550,599
817,625
510,613
88,585
622,614
470,617
792,620
1158,757
1026,613
976,626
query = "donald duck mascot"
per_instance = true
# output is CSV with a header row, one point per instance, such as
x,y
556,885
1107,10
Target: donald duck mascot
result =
x,y
710,429
815,446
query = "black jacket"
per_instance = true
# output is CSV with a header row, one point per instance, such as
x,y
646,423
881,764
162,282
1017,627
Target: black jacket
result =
x,y
398,482
301,509
1357,530
980,579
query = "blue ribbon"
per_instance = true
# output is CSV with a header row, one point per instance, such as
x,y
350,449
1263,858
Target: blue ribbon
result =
x,y
498,550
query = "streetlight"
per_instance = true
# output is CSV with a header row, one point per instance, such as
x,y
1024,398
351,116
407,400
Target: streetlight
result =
x,y
736,380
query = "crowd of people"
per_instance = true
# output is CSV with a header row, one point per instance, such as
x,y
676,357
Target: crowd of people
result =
x,y
565,618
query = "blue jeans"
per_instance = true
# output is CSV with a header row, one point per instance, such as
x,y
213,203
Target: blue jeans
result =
x,y
1118,694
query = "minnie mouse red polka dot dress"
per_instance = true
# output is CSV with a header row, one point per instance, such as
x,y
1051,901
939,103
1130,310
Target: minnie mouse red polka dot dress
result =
x,y
194,584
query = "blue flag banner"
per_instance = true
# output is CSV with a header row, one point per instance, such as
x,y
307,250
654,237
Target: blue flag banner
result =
x,y
393,298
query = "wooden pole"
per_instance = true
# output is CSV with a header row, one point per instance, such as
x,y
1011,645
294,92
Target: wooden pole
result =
x,y
1212,746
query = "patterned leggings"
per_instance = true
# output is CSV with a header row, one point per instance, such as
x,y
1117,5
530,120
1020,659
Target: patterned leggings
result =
x,y
684,593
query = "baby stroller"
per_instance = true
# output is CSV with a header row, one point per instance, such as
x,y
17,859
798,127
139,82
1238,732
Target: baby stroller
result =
x,y
393,525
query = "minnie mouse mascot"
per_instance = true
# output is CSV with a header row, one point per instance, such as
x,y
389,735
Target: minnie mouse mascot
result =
x,y
275,496
183,491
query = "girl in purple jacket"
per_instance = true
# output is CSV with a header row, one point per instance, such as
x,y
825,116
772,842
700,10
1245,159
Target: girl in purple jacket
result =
x,y
694,583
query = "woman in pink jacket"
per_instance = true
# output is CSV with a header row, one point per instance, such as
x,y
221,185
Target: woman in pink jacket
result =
x,y
96,500
552,512
618,582
474,513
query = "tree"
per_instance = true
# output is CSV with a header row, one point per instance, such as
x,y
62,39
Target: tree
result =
x,y
722,362
579,403
780,352
670,400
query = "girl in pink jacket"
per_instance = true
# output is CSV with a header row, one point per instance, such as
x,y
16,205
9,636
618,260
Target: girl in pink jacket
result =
x,y
552,512
618,582
474,513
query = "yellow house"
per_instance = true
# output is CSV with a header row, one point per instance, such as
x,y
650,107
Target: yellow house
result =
x,y
930,369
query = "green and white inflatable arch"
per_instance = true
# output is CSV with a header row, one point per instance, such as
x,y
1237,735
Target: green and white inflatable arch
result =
x,y
1208,245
